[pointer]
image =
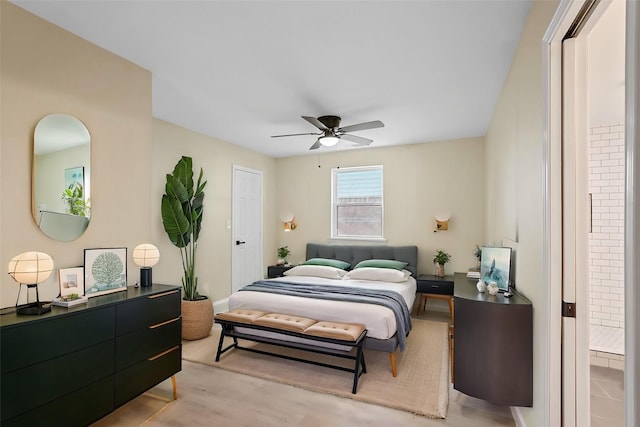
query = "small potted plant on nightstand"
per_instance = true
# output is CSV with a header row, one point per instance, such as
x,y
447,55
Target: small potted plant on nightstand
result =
x,y
441,258
283,253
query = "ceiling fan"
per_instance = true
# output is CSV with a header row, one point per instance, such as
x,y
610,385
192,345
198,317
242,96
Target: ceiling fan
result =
x,y
332,132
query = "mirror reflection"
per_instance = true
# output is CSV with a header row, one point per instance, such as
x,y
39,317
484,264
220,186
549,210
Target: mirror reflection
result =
x,y
61,176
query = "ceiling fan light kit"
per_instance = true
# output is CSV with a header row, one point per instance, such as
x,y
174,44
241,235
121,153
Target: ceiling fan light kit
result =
x,y
331,132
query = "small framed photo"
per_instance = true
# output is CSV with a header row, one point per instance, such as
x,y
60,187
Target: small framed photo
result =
x,y
71,281
495,266
105,271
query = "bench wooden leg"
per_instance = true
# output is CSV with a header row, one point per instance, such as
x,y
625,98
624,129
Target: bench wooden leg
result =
x,y
392,358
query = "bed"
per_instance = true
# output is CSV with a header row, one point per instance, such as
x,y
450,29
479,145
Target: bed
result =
x,y
380,320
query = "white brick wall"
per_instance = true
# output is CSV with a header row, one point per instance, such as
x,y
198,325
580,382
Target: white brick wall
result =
x,y
606,241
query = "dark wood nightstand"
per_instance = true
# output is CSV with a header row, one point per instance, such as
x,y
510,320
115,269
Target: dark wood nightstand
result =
x,y
277,270
435,287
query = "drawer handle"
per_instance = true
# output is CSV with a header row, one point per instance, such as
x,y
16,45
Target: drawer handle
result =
x,y
164,294
435,286
157,325
151,359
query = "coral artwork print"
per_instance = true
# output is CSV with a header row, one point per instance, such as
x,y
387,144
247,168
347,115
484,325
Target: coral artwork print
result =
x,y
105,270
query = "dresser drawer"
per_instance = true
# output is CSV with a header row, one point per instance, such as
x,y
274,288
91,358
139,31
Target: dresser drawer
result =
x,y
139,345
141,377
148,310
32,342
77,409
28,388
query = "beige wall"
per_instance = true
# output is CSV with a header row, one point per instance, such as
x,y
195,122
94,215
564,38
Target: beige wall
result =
x,y
216,158
45,70
419,181
514,177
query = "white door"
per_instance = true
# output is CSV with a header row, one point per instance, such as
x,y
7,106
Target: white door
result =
x,y
575,267
247,227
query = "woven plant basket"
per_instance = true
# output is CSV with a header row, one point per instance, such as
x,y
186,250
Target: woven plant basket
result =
x,y
197,319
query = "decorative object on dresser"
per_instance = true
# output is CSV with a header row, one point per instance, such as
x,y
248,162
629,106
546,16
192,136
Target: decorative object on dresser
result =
x,y
71,282
90,359
283,252
440,259
146,256
496,266
31,268
182,210
105,271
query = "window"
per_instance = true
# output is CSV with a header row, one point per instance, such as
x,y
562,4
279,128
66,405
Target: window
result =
x,y
356,203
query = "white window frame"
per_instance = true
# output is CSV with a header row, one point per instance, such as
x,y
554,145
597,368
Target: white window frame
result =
x,y
334,211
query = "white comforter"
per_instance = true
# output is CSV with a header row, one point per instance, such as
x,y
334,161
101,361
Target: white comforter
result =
x,y
379,321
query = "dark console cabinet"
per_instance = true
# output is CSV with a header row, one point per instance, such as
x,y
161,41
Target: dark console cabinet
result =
x,y
493,345
72,366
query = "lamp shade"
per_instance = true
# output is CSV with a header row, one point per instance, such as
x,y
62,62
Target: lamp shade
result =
x,y
31,267
329,141
146,255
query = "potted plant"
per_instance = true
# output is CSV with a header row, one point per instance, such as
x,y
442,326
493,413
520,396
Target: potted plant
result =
x,y
441,258
182,209
74,197
283,253
477,253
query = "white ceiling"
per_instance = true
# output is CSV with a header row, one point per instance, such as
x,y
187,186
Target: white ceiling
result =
x,y
241,71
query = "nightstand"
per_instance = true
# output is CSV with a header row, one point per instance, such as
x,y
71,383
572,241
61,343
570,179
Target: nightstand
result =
x,y
435,287
277,270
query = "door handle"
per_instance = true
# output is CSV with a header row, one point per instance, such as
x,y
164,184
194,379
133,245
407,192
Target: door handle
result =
x,y
238,243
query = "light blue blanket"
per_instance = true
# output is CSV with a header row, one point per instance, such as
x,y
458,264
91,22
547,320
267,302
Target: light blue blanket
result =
x,y
386,298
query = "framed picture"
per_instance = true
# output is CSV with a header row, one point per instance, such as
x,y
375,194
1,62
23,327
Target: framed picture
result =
x,y
71,281
105,271
72,175
495,266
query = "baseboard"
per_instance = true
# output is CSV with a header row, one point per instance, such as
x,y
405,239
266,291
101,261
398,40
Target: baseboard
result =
x,y
517,416
221,306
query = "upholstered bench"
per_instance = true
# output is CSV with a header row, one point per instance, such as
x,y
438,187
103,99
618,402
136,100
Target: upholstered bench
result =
x,y
310,336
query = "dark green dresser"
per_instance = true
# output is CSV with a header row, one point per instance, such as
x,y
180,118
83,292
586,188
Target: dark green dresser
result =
x,y
72,366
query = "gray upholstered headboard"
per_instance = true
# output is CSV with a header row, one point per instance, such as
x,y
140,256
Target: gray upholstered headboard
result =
x,y
353,254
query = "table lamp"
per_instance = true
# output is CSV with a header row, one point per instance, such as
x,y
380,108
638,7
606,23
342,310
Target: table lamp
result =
x,y
31,268
146,256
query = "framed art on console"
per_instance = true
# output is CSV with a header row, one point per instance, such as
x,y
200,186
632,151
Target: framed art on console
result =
x,y
495,266
105,271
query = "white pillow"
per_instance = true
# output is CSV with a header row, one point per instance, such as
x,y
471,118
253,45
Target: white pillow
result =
x,y
378,274
316,271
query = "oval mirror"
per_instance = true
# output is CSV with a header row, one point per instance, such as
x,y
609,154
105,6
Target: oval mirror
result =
x,y
61,176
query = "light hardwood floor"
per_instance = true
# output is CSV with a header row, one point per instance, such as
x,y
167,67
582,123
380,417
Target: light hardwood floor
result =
x,y
209,396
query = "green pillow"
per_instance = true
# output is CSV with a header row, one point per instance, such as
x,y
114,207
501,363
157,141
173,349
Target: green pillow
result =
x,y
382,263
328,262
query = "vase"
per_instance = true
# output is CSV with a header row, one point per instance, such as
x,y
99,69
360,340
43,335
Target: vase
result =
x,y
197,318
440,270
492,287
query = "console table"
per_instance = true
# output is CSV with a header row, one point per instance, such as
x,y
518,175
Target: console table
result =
x,y
72,366
493,336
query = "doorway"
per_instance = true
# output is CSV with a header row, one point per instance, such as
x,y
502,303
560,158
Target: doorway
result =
x,y
569,371
246,240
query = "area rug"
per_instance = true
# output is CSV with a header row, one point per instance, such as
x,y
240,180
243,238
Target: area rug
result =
x,y
421,387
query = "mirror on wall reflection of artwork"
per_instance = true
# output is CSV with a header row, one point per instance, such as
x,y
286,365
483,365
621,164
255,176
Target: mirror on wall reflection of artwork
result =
x,y
61,176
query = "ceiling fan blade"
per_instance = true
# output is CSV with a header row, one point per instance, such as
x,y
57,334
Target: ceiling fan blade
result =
x,y
294,134
362,126
315,146
317,123
357,139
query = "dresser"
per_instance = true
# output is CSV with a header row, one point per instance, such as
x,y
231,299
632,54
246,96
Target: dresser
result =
x,y
72,366
493,345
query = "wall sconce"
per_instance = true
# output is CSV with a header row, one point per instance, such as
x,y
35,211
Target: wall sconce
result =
x,y
441,222
146,256
31,268
290,225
